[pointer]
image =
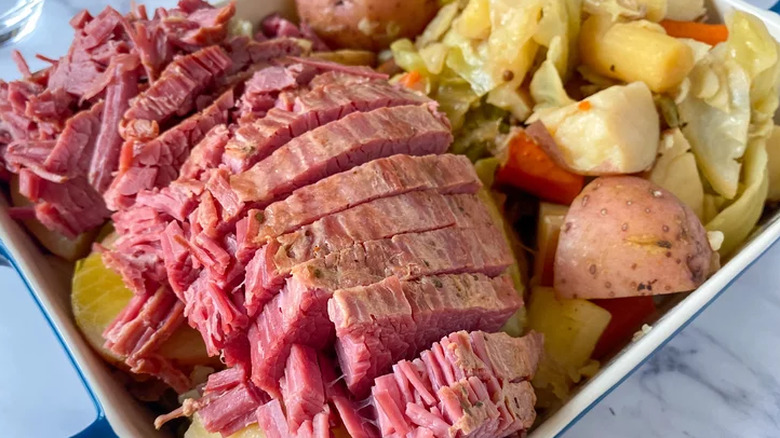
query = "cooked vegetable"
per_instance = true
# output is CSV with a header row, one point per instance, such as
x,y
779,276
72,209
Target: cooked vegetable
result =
x,y
685,10
714,108
711,34
548,229
737,221
614,131
653,10
348,57
773,155
58,244
676,171
98,295
634,51
625,236
366,24
196,430
628,315
571,330
529,168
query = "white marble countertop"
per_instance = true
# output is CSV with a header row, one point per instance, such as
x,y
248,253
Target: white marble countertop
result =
x,y
718,378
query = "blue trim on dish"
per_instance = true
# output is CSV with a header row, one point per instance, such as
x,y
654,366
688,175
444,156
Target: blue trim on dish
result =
x,y
100,427
775,8
669,338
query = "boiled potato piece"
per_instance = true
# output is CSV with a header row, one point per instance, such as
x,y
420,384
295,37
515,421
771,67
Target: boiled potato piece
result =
x,y
635,51
98,295
59,245
571,329
366,24
773,151
196,430
547,230
625,236
614,131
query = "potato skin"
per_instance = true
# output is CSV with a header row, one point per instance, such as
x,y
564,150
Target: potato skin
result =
x,y
625,236
366,24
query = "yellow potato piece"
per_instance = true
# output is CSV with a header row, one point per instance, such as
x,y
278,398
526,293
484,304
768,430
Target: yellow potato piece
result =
x,y
98,295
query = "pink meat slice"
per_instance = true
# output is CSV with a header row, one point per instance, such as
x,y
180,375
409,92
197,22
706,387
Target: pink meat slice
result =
x,y
298,314
382,218
156,163
469,384
180,83
342,145
376,179
323,104
380,324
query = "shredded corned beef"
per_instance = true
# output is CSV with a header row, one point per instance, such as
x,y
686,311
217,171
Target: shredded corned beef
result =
x,y
302,215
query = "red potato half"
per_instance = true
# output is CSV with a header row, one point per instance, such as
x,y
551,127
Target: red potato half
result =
x,y
366,24
625,236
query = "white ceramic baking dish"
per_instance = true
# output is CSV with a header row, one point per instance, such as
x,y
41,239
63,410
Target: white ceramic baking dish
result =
x,y
118,413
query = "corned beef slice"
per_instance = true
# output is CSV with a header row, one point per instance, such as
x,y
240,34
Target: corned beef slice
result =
x,y
468,384
379,219
323,104
69,208
302,388
123,86
76,141
341,145
156,163
298,314
378,325
180,84
376,179
140,329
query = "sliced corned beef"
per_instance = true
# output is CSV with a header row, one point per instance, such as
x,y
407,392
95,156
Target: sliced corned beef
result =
x,y
140,329
382,218
468,384
380,324
261,89
51,105
298,313
323,104
245,52
136,254
181,82
156,163
303,391
207,154
123,86
342,145
376,179
203,26
70,207
275,26
76,141
228,404
271,419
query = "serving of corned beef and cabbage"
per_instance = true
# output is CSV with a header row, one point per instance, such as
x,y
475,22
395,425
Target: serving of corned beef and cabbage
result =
x,y
361,225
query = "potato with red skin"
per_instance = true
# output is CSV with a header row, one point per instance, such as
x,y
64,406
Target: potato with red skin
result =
x,y
366,24
625,236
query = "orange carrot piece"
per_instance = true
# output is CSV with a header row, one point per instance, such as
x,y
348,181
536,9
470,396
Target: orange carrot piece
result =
x,y
711,34
530,169
411,79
